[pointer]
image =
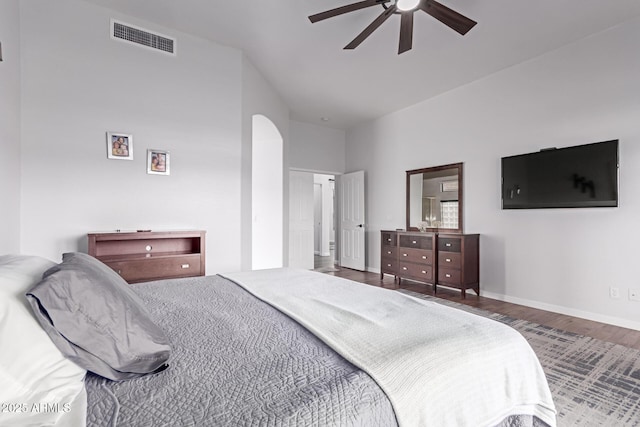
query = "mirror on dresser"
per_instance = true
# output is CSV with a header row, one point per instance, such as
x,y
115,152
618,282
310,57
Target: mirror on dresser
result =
x,y
434,199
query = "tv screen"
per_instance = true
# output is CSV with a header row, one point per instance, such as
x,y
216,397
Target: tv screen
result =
x,y
573,177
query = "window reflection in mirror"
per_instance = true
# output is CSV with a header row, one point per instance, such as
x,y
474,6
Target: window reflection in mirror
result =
x,y
434,198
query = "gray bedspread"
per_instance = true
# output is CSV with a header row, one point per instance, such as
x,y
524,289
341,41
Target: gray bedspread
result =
x,y
237,361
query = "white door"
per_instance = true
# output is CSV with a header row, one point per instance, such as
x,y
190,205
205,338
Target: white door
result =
x,y
352,220
301,220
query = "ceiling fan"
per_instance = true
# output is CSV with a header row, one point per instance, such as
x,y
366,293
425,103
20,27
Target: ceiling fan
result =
x,y
405,9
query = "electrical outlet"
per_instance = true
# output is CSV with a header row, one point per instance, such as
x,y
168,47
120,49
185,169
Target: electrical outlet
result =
x,y
634,294
614,292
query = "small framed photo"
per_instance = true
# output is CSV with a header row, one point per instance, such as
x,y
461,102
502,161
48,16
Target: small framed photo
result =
x,y
158,162
119,146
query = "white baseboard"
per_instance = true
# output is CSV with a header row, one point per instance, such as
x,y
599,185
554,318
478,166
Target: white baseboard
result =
x,y
616,321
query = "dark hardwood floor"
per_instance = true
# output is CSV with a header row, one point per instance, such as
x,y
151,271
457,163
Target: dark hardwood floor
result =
x,y
601,331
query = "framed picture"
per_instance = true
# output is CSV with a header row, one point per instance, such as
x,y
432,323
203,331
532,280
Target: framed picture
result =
x,y
119,146
158,162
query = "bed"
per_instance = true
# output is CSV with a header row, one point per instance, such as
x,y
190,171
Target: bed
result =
x,y
291,347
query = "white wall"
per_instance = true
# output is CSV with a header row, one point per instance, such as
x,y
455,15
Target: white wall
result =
x,y
10,127
267,195
562,260
77,84
317,148
258,97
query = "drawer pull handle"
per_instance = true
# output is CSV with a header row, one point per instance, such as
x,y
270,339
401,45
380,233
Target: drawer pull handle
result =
x,y
185,266
389,252
424,257
404,268
447,275
448,259
388,240
404,254
414,242
388,265
148,248
424,272
447,244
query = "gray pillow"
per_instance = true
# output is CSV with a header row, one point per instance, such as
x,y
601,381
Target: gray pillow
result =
x,y
96,320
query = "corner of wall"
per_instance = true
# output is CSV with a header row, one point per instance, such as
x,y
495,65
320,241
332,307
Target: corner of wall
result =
x,y
10,132
259,97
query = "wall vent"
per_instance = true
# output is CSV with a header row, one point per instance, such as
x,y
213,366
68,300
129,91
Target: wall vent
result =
x,y
141,37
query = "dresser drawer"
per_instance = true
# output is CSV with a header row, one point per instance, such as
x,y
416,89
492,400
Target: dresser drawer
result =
x,y
449,276
423,273
389,252
449,244
389,238
389,265
416,242
416,255
147,269
449,260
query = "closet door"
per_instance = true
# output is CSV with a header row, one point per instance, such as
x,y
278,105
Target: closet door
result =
x,y
301,220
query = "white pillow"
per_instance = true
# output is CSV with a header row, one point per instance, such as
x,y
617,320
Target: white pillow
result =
x,y
38,382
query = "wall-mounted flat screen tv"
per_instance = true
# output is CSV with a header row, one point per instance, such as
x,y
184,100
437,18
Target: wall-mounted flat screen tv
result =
x,y
584,176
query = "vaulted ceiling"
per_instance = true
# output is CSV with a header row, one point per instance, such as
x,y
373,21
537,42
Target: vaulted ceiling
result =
x,y
306,64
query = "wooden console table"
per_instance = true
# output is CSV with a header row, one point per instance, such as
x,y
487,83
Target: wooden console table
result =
x,y
151,255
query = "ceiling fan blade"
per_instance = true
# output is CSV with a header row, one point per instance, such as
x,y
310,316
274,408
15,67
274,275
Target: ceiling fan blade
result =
x,y
406,32
449,17
345,9
371,28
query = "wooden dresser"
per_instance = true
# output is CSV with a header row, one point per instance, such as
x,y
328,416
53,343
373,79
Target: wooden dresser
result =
x,y
450,260
458,261
151,255
416,256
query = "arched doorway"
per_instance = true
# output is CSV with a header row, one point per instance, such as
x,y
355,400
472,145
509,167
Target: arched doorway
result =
x,y
266,194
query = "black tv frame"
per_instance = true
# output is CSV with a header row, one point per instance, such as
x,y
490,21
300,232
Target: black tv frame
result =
x,y
580,182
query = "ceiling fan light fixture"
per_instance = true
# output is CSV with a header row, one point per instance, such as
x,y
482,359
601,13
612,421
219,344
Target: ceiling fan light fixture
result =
x,y
405,8
406,5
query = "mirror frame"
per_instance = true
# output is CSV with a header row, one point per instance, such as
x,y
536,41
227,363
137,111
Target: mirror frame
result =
x,y
457,166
